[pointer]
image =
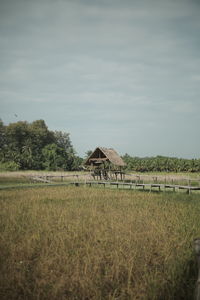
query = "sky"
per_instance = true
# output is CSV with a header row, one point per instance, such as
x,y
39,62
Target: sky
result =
x,y
121,74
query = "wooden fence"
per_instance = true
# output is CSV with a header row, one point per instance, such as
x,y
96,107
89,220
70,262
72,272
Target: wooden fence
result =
x,y
143,186
134,182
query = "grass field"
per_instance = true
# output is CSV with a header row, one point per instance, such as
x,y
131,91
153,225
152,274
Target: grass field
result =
x,y
87,243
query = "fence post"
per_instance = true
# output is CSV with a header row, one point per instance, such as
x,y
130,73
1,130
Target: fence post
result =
x,y
197,251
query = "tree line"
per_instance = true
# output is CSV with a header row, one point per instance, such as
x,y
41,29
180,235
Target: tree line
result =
x,y
161,164
33,146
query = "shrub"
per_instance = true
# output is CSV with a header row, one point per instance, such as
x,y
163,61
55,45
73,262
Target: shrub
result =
x,y
9,166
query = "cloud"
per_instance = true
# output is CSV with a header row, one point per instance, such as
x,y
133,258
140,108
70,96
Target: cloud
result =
x,y
120,66
195,77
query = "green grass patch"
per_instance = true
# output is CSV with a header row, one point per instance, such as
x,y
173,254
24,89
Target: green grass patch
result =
x,y
13,180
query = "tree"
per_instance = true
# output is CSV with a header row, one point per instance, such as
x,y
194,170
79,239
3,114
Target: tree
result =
x,y
34,146
161,163
54,157
40,137
16,135
77,163
63,140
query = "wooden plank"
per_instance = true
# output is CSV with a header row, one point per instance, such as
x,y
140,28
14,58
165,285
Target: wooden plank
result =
x,y
41,179
98,159
131,185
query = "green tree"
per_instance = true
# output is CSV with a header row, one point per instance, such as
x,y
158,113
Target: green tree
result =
x,y
40,137
63,140
77,163
16,135
54,157
23,144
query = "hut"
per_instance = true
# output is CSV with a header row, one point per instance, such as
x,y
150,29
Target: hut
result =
x,y
105,163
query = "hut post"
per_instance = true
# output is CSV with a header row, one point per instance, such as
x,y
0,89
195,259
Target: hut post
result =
x,y
121,175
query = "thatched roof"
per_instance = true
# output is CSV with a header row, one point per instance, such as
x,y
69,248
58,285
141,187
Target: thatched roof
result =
x,y
101,154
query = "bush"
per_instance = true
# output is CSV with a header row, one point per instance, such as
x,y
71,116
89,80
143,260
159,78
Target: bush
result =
x,y
9,166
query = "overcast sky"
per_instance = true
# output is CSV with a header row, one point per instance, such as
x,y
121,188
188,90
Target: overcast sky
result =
x,y
122,74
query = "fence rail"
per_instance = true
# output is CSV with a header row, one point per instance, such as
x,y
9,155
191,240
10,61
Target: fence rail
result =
x,y
149,186
135,182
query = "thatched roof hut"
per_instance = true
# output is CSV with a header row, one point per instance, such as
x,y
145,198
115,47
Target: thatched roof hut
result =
x,y
102,155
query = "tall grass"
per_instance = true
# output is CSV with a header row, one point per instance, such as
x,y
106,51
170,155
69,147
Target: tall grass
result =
x,y
85,243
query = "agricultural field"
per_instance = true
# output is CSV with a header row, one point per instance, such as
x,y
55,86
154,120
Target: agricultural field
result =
x,y
93,243
20,178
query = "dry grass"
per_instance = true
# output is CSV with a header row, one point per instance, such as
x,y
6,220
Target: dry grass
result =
x,y
85,243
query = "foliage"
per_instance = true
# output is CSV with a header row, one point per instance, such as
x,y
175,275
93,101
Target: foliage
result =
x,y
54,157
85,243
161,164
34,146
9,166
